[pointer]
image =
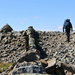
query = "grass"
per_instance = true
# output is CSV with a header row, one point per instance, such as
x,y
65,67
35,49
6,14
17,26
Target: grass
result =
x,y
5,66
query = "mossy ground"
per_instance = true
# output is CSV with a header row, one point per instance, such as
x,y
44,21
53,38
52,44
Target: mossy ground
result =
x,y
5,66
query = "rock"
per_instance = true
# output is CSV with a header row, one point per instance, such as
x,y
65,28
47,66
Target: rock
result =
x,y
51,66
1,36
4,55
12,49
51,63
28,67
0,72
30,31
44,63
30,55
68,67
59,71
6,29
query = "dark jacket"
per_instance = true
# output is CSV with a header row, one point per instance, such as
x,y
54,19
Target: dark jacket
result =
x,y
67,26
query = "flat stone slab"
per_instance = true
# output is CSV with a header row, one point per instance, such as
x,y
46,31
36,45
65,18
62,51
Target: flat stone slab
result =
x,y
51,63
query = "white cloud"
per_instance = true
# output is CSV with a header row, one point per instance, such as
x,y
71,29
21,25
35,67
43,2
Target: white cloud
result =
x,y
74,27
60,27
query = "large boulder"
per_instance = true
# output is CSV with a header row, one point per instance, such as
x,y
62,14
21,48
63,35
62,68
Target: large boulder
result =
x,y
30,31
31,55
51,66
33,68
6,29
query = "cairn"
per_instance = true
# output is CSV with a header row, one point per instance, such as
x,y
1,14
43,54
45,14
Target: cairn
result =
x,y
33,55
29,63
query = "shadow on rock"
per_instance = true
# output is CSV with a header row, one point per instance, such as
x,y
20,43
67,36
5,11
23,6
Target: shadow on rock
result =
x,y
42,53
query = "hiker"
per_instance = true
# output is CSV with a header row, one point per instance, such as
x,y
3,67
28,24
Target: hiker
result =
x,y
68,27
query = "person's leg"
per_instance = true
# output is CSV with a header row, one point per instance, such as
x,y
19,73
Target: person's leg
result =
x,y
68,36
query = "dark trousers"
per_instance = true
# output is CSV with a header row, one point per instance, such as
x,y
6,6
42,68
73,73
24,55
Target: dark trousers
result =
x,y
68,34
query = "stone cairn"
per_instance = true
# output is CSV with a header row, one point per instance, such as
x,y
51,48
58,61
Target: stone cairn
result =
x,y
31,62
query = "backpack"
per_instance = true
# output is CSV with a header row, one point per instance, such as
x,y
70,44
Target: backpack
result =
x,y
67,25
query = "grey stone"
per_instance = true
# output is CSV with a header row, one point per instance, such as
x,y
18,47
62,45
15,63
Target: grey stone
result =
x,y
30,55
4,55
29,67
6,29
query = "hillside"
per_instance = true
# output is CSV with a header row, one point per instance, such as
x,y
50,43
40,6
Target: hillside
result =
x,y
53,43
49,44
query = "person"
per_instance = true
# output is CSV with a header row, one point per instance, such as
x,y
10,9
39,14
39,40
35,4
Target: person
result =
x,y
68,27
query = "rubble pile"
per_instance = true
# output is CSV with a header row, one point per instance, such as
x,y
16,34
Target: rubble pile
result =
x,y
53,43
35,49
12,46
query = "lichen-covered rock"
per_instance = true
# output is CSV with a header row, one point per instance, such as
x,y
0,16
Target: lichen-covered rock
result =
x,y
31,55
28,67
6,29
30,31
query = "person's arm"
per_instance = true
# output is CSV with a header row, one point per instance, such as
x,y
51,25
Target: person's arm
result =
x,y
71,27
63,28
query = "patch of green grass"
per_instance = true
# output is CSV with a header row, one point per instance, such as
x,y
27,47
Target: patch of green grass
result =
x,y
5,65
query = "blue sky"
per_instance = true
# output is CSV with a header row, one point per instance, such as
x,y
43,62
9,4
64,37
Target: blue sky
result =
x,y
47,15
